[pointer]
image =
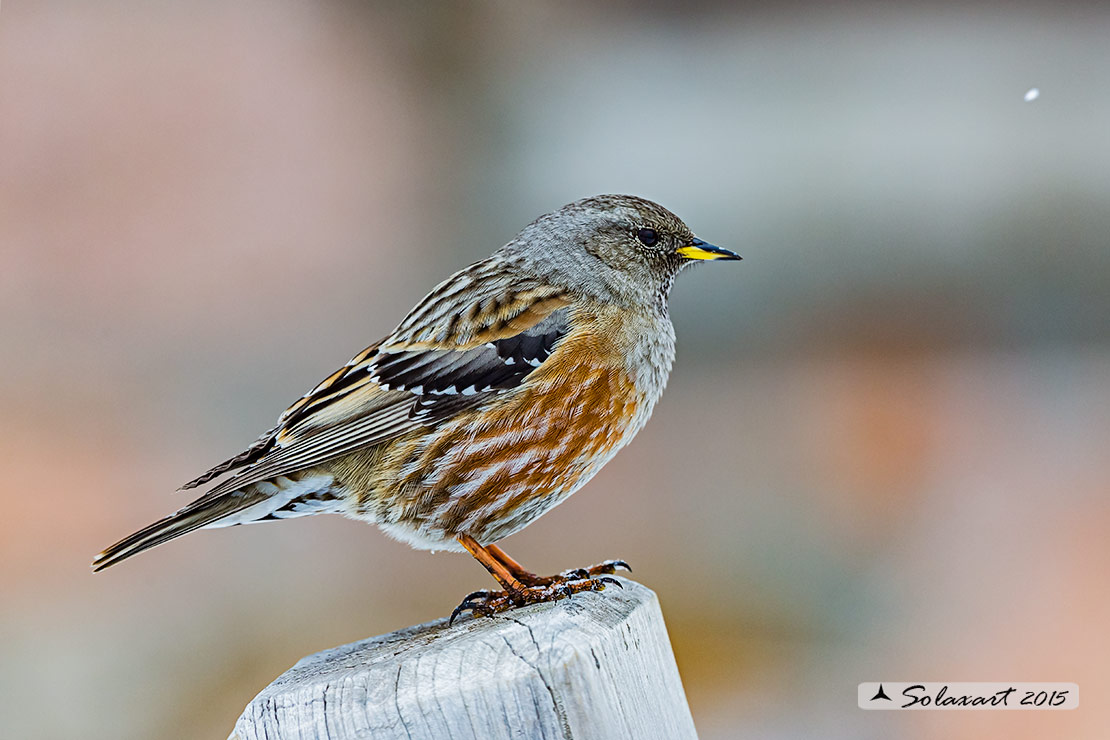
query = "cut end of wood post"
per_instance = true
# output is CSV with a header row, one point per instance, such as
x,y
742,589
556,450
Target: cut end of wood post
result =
x,y
597,665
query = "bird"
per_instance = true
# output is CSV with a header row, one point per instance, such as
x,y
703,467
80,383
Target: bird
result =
x,y
499,395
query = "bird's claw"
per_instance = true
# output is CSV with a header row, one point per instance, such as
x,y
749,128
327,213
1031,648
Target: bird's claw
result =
x,y
476,601
604,568
578,574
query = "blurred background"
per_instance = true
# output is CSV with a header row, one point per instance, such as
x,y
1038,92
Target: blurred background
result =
x,y
883,451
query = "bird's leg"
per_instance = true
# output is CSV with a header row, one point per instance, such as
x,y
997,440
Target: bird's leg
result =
x,y
523,587
531,579
500,572
519,571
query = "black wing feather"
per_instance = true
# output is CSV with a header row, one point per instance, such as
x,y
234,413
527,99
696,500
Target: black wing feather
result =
x,y
498,365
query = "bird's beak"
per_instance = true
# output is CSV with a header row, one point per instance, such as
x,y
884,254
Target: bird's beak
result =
x,y
699,250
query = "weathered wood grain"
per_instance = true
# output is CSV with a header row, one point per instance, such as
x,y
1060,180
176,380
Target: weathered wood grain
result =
x,y
597,666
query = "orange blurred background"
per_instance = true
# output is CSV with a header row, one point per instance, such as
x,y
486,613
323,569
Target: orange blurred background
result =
x,y
882,454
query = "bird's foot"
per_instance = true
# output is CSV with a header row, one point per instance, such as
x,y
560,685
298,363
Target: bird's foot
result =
x,y
537,589
577,574
488,603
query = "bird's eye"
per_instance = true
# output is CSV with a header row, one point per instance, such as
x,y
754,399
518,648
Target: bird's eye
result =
x,y
647,237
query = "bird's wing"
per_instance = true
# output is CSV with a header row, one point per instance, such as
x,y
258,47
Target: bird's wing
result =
x,y
470,339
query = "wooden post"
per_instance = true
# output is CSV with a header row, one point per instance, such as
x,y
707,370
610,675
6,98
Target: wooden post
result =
x,y
598,666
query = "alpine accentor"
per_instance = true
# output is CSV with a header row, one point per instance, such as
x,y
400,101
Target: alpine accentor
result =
x,y
502,393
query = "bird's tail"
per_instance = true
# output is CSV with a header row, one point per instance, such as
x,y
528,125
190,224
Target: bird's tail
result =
x,y
262,501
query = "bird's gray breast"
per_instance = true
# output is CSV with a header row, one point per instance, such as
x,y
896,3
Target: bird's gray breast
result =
x,y
649,361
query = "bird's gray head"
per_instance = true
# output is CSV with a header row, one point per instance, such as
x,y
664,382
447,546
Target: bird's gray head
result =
x,y
614,248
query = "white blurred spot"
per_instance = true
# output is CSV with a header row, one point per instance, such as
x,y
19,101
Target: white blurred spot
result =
x,y
1032,94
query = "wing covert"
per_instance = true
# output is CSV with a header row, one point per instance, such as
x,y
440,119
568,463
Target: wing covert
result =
x,y
496,365
455,350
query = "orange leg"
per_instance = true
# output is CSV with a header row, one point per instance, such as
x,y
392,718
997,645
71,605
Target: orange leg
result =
x,y
501,572
523,587
511,565
531,579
